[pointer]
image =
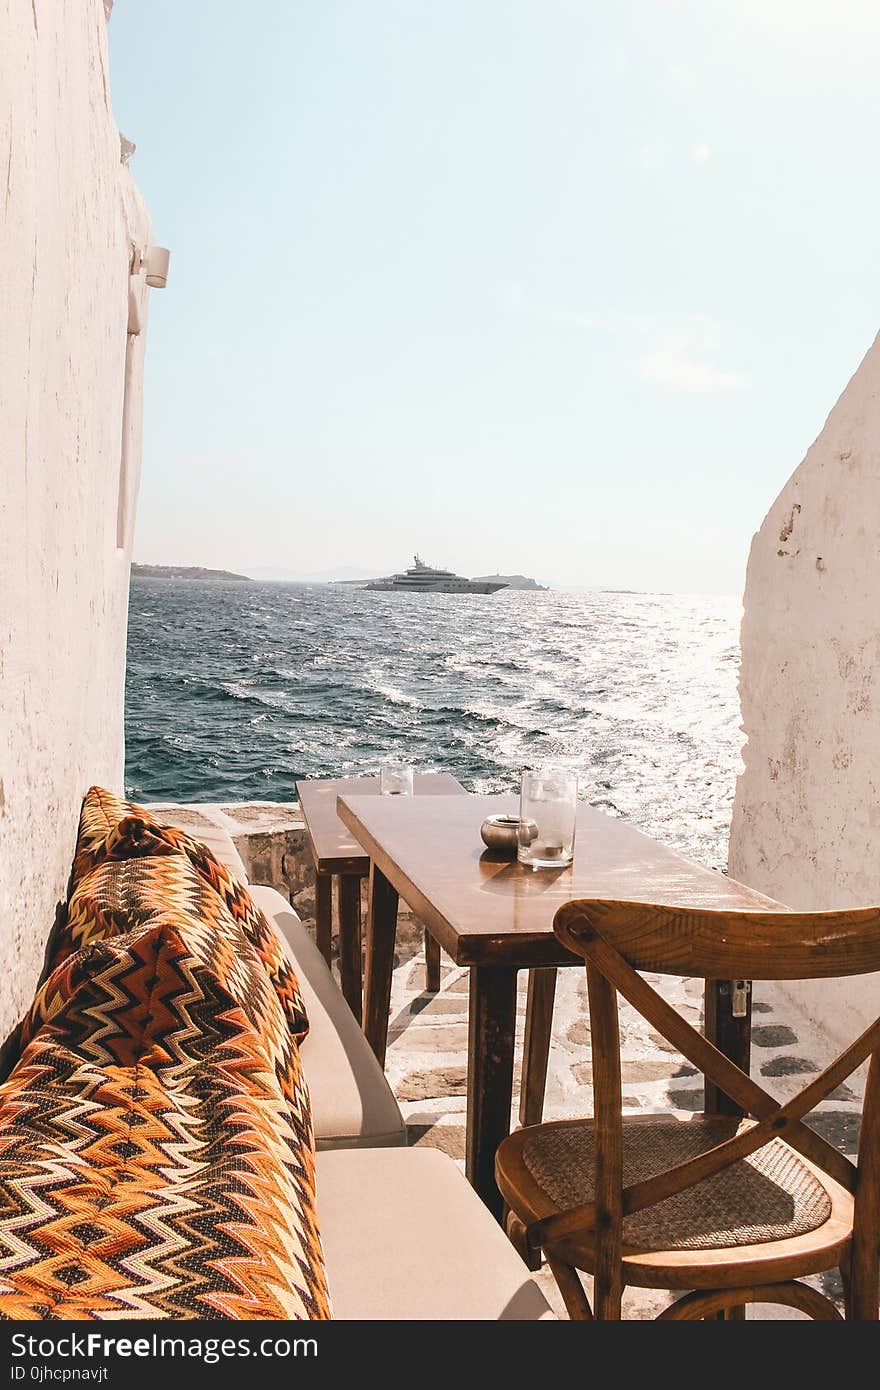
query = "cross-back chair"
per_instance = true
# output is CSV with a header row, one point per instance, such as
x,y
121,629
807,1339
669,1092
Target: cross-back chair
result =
x,y
736,1211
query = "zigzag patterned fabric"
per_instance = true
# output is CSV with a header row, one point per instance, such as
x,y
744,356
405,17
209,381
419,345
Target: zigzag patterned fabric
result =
x,y
156,1155
112,830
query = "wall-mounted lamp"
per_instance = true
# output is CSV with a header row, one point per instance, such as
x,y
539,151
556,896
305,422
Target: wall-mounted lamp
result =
x,y
152,263
154,260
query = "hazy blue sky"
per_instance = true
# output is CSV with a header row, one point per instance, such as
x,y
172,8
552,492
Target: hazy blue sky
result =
x,y
541,285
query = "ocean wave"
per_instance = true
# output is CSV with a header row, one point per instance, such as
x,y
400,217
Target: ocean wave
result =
x,y
246,694
393,695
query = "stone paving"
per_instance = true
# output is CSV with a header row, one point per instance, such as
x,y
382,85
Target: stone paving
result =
x,y
427,1054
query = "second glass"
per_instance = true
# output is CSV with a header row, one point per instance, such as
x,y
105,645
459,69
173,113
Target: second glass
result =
x,y
547,815
396,779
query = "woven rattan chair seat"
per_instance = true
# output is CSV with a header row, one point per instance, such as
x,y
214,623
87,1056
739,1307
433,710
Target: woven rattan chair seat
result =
x,y
769,1196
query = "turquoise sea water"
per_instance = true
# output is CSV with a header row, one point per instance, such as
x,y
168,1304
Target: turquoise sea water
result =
x,y
236,690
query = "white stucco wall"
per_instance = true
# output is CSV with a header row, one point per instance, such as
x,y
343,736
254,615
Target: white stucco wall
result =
x,y
806,820
69,217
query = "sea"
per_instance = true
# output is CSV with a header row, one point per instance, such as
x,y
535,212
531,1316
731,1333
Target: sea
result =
x,y
234,691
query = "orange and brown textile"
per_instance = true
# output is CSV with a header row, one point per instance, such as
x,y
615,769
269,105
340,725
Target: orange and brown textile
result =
x,y
112,830
156,1155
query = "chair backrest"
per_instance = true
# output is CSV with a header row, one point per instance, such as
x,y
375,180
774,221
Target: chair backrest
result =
x,y
619,939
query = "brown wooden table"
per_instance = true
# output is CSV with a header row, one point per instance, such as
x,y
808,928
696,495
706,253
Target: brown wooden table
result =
x,y
336,854
496,917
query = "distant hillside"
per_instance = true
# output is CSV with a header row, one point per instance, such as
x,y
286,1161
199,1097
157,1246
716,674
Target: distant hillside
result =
x,y
513,581
182,572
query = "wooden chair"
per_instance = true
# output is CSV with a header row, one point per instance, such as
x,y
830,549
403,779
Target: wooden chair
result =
x,y
736,1211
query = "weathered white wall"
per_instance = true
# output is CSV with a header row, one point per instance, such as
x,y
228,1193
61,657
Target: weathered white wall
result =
x,y
806,820
69,215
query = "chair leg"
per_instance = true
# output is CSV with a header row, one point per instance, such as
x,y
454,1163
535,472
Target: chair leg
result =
x,y
860,1294
607,1300
577,1304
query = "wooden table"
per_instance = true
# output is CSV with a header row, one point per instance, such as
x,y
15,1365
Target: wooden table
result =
x,y
496,917
336,854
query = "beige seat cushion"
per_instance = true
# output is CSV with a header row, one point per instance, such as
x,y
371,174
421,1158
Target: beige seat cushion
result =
x,y
406,1237
352,1103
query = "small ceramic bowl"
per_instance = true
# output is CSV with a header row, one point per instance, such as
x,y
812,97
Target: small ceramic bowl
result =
x,y
501,833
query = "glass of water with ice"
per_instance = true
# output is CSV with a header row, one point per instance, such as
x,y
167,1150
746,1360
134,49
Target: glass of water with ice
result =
x,y
547,811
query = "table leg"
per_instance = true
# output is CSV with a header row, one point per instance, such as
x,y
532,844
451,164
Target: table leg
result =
x,y
381,933
733,1036
324,914
491,1031
432,964
350,956
536,1044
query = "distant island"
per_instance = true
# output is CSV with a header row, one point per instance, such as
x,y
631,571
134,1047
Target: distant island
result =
x,y
182,572
513,581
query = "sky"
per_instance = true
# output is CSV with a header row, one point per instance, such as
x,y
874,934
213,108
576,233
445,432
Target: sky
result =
x,y
557,287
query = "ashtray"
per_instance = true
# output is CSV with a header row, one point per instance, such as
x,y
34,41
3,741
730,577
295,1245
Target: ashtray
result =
x,y
501,833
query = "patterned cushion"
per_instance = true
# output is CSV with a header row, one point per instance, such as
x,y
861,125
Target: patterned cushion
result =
x,y
114,830
150,1162
120,895
156,1154
136,836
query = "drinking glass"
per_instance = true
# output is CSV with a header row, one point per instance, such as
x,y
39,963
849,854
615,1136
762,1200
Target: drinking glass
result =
x,y
547,810
396,779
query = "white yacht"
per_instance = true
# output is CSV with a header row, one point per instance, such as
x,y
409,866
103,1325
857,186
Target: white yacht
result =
x,y
422,578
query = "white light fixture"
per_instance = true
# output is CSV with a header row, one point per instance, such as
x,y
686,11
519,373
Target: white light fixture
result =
x,y
152,265
154,260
